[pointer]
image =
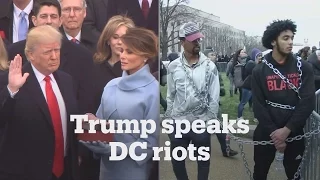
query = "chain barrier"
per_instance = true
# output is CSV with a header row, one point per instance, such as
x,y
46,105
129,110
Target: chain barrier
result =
x,y
204,105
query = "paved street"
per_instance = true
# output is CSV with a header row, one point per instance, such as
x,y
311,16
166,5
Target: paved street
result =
x,y
221,168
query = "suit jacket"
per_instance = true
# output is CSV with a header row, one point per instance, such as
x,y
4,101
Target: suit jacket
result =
x,y
88,38
103,73
100,11
98,14
6,19
133,10
28,146
74,60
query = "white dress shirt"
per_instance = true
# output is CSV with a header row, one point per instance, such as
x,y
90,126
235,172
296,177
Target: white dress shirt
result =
x,y
63,112
78,36
17,18
140,2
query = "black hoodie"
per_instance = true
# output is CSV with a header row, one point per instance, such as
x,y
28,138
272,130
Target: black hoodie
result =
x,y
266,85
315,62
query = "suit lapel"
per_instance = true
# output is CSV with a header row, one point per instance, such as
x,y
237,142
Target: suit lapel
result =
x,y
153,8
65,96
34,88
63,52
137,9
63,91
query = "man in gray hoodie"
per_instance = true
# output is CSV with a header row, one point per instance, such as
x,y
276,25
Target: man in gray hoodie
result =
x,y
193,93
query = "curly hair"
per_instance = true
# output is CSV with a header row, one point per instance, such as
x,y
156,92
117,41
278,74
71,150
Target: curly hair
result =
x,y
274,29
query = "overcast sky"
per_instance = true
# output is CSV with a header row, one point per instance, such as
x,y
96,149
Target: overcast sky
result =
x,y
253,16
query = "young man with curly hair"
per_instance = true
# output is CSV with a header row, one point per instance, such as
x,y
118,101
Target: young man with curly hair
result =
x,y
270,90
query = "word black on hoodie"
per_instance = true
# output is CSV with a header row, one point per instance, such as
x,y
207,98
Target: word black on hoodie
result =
x,y
266,85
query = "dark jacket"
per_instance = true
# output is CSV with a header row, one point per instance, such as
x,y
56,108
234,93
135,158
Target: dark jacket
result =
x,y
266,85
75,60
103,73
88,38
6,19
315,63
248,74
222,90
100,11
27,151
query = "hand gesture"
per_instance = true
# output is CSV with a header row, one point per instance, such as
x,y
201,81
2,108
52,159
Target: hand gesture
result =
x,y
281,147
16,80
280,135
91,116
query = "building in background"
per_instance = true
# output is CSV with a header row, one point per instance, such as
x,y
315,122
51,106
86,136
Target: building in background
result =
x,y
224,38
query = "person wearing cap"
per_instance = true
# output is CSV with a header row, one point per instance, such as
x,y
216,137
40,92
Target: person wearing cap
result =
x,y
186,77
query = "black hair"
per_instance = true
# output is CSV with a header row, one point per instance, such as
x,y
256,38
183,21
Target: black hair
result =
x,y
274,29
38,5
236,57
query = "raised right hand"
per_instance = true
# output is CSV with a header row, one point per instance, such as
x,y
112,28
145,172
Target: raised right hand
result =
x,y
16,80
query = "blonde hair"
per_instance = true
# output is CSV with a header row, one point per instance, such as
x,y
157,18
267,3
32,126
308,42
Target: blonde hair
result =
x,y
103,50
4,63
142,42
41,34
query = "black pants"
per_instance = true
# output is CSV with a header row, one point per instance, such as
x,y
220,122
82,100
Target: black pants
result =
x,y
265,154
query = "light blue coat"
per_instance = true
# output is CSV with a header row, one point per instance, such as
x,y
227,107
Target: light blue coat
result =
x,y
130,97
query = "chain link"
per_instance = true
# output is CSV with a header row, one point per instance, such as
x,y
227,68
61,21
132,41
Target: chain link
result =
x,y
286,80
204,104
282,106
201,95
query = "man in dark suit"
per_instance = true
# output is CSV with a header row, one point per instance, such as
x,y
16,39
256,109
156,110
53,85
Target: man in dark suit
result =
x,y
15,19
75,60
36,101
73,14
144,13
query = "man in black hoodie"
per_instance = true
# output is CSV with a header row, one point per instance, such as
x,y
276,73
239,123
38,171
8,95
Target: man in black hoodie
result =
x,y
268,89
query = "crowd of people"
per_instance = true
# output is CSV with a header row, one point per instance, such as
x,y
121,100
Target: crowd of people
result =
x,y
280,85
67,57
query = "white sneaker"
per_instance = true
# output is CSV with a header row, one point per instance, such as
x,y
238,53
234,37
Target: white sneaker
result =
x,y
240,118
255,120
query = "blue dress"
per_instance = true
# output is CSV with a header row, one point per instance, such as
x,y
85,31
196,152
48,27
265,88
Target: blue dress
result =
x,y
130,97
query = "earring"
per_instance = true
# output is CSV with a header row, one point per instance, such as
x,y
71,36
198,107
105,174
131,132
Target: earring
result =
x,y
145,60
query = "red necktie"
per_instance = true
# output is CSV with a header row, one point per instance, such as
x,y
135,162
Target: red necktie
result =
x,y
145,8
75,40
58,161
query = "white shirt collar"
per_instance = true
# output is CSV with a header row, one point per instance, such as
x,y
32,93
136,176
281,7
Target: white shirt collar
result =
x,y
40,77
140,2
78,36
27,10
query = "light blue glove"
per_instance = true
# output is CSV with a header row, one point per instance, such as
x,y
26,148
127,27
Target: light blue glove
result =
x,y
97,147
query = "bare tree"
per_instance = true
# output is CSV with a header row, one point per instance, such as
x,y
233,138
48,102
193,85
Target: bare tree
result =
x,y
172,14
251,42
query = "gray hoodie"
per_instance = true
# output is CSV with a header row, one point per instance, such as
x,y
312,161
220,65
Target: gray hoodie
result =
x,y
181,95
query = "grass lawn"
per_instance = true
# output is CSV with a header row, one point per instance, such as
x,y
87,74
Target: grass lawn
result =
x,y
229,104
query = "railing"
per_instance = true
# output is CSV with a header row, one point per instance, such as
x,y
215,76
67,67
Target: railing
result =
x,y
222,66
311,170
